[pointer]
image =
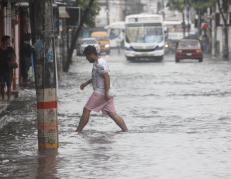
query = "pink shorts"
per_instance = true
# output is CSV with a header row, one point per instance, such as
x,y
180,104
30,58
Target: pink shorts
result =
x,y
98,103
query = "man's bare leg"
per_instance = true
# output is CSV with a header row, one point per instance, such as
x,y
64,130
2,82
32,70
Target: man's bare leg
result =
x,y
84,120
119,121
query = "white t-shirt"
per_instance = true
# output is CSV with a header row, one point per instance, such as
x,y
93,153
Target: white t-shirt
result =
x,y
97,76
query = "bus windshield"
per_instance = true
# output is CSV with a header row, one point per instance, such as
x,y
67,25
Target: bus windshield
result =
x,y
144,33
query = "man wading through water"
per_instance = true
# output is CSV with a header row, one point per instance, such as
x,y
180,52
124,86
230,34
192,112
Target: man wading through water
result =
x,y
101,99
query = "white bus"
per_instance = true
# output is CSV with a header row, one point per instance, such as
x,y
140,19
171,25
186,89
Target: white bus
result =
x,y
174,33
144,36
116,33
174,30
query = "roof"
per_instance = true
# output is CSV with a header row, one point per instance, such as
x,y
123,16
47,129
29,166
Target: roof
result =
x,y
82,39
99,34
143,15
144,18
119,24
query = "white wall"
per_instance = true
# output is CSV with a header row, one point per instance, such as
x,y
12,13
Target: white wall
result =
x,y
116,10
116,13
101,18
150,6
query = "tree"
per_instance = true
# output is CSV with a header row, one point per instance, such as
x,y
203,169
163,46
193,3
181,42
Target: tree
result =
x,y
84,18
93,11
200,6
176,5
223,6
180,6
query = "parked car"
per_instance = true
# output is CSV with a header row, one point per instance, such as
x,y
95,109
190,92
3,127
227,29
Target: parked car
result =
x,y
189,49
83,43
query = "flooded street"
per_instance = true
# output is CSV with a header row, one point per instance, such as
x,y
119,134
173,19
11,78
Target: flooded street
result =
x,y
178,115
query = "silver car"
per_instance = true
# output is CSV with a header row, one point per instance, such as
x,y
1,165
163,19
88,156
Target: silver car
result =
x,y
83,43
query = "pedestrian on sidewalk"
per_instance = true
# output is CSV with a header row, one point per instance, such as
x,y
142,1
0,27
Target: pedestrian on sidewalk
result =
x,y
7,64
102,98
26,58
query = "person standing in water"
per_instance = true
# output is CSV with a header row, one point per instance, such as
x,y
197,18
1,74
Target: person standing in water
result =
x,y
102,98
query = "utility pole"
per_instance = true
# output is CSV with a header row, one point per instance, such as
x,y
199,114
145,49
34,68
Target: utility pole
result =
x,y
183,24
188,18
214,30
45,73
108,12
183,16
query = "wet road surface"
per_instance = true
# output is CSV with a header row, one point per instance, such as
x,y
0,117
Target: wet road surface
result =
x,y
178,116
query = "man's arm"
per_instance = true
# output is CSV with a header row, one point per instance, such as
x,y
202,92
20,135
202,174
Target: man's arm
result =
x,y
82,86
106,78
88,82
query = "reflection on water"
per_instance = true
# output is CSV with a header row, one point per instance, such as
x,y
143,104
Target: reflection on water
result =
x,y
178,116
47,165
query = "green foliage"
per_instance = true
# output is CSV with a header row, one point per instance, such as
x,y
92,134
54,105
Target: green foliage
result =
x,y
200,5
225,5
94,10
176,5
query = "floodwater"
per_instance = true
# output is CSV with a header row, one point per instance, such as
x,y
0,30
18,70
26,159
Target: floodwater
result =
x,y
178,116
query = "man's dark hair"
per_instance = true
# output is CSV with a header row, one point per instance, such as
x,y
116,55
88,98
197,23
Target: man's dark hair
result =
x,y
89,50
5,38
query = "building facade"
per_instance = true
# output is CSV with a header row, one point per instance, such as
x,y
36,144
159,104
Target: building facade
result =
x,y
14,22
110,11
153,6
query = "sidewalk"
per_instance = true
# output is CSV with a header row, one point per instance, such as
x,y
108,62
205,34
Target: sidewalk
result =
x,y
4,104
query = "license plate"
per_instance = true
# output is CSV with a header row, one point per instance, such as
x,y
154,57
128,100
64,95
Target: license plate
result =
x,y
189,54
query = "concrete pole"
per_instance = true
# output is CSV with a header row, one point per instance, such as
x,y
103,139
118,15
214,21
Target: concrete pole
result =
x,y
108,13
188,18
213,29
184,24
45,74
